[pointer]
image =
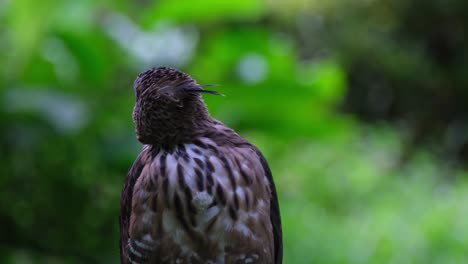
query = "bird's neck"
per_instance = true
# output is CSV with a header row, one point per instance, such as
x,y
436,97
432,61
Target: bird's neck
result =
x,y
167,126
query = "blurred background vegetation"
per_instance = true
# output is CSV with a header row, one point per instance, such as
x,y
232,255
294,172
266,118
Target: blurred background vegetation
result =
x,y
359,106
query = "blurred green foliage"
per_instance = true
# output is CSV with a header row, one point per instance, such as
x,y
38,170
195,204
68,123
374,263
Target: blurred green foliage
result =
x,y
300,77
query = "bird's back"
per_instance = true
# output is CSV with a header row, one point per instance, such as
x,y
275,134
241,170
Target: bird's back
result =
x,y
206,201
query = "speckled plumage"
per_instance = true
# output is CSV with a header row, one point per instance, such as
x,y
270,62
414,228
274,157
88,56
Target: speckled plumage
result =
x,y
198,192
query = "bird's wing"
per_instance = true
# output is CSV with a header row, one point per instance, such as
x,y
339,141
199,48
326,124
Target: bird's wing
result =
x,y
126,203
275,216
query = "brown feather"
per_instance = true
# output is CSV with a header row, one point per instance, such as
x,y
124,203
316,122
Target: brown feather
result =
x,y
198,191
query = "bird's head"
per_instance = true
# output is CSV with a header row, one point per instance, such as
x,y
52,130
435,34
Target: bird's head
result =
x,y
168,101
167,83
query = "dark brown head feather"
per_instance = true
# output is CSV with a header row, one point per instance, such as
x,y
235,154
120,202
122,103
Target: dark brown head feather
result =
x,y
162,80
198,90
169,108
168,80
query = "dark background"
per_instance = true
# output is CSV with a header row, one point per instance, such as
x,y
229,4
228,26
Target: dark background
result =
x,y
359,106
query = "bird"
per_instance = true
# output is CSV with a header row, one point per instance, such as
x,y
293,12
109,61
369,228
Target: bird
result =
x,y
198,192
